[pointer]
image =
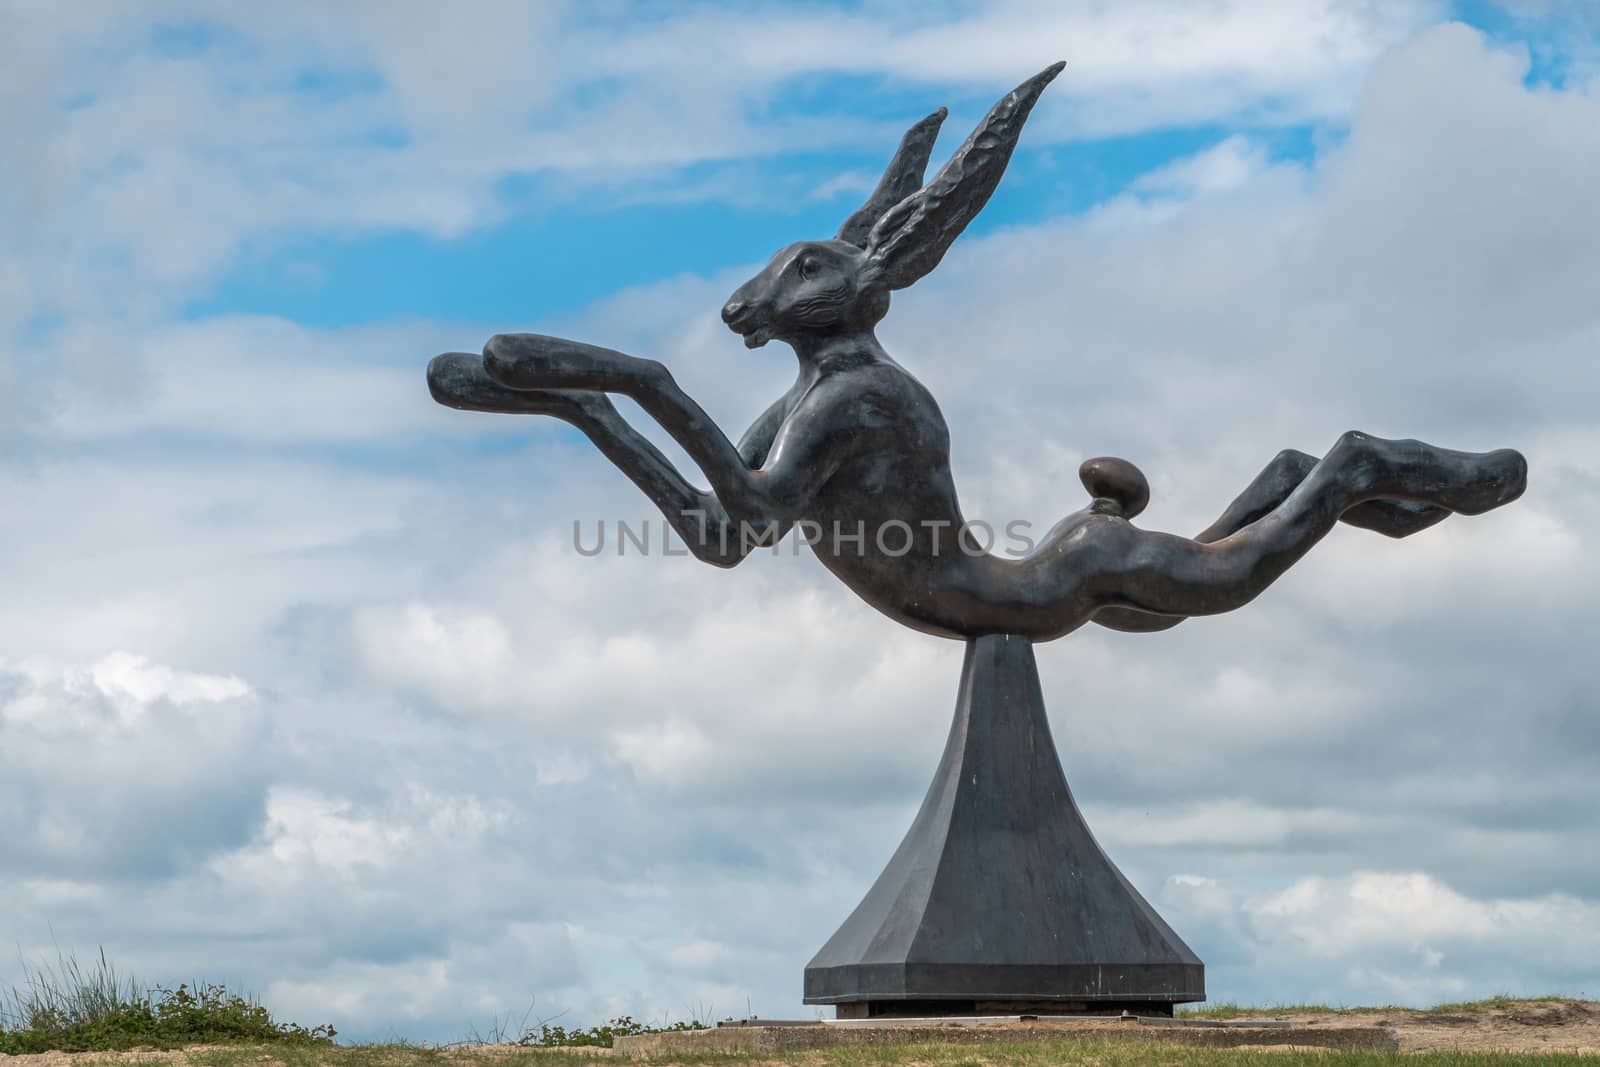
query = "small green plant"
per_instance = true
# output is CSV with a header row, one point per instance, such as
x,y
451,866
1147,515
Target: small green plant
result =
x,y
1229,1010
70,1009
1500,1002
602,1036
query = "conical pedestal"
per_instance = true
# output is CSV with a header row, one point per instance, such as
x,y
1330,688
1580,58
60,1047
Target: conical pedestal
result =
x,y
999,900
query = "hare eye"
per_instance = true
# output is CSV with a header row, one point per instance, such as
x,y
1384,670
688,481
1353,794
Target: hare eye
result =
x,y
808,267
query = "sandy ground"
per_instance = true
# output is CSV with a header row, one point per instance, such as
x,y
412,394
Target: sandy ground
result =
x,y
61,1058
1535,1026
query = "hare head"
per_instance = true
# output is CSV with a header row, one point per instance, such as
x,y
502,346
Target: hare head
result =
x,y
818,289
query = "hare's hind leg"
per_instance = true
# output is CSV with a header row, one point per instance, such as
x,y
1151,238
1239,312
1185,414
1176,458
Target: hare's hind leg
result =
x,y
1108,562
1269,489
1282,476
1179,576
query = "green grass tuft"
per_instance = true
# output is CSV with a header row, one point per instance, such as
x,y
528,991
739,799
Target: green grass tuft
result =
x,y
68,1008
1503,1002
1226,1009
603,1036
1229,1010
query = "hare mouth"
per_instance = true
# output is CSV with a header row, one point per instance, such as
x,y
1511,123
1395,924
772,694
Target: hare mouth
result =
x,y
758,337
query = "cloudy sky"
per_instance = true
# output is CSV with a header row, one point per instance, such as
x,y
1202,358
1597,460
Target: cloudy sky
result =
x,y
304,688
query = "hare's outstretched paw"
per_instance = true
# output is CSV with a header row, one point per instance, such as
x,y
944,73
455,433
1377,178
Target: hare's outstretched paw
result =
x,y
535,361
458,380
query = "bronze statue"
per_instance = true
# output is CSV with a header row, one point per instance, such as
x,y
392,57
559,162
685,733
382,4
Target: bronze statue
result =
x,y
858,445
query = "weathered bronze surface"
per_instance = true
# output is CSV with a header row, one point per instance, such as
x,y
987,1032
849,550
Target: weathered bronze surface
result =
x,y
999,892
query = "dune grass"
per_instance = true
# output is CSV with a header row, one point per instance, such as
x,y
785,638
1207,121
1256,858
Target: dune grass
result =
x,y
1227,1009
1503,1002
71,1008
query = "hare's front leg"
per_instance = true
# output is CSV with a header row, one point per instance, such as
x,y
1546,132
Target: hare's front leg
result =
x,y
535,361
459,380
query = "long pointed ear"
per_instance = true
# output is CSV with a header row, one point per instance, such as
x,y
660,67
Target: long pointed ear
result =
x,y
903,178
911,237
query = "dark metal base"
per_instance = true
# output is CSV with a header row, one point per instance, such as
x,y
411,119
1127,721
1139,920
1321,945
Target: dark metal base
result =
x,y
999,893
954,1009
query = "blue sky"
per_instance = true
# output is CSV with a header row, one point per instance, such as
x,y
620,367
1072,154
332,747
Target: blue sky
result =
x,y
495,272
303,686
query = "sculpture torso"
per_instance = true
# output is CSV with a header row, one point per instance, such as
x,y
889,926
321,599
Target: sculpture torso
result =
x,y
887,519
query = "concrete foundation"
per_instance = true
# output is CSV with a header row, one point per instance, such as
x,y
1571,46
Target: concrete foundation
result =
x,y
755,1037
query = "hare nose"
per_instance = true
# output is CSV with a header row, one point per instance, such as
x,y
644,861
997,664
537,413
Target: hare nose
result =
x,y
731,310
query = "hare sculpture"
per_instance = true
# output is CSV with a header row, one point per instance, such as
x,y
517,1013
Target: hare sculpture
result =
x,y
857,446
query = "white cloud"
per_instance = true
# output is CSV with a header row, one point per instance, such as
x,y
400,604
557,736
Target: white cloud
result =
x,y
457,654
135,679
1226,165
1393,936
1224,822
250,380
126,768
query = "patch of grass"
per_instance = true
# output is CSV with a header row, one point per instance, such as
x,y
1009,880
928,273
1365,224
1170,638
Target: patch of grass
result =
x,y
390,1055
1017,1054
1226,1009
1229,1010
69,1008
1503,1002
602,1036
394,1055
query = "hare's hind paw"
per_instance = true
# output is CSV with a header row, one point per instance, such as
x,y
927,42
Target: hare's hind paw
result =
x,y
1499,478
1468,483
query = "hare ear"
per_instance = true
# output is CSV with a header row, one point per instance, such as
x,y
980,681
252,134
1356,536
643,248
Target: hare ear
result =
x,y
900,180
911,237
